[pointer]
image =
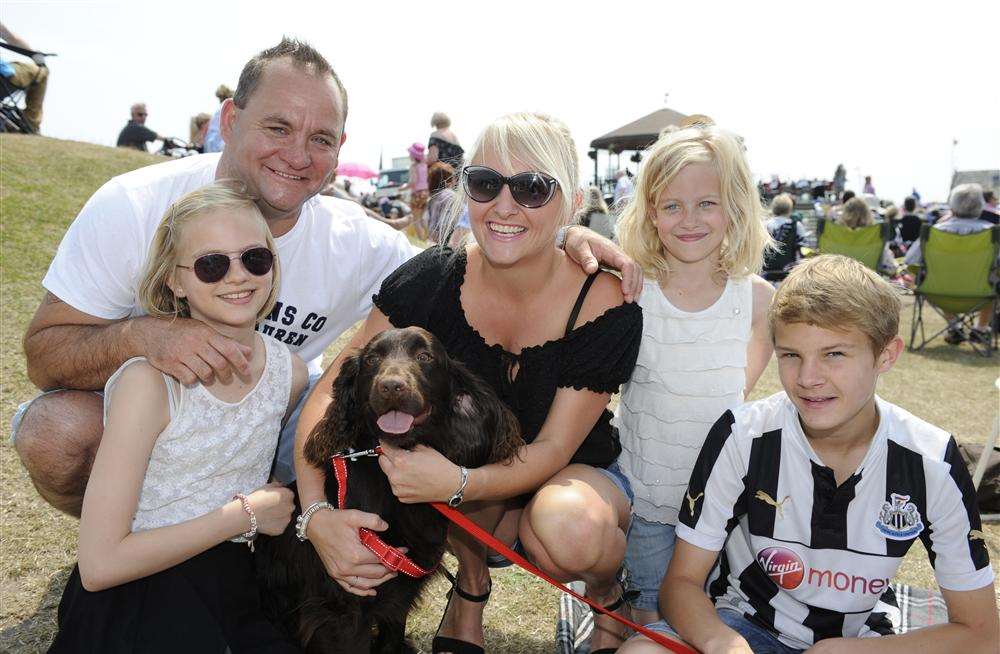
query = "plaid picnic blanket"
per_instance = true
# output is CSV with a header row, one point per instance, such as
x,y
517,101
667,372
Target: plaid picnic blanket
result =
x,y
913,608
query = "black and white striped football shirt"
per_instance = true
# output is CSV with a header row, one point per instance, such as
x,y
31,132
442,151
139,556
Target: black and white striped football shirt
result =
x,y
809,559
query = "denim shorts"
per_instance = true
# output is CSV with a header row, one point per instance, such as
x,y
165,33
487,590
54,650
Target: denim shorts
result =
x,y
648,552
284,462
618,478
760,640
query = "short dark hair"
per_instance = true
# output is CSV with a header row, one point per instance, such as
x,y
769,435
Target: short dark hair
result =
x,y
910,204
988,196
302,55
846,196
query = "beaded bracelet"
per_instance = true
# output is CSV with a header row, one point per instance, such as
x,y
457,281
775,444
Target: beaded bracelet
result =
x,y
249,536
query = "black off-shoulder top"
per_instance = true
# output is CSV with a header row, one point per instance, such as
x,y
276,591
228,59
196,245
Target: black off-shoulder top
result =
x,y
598,355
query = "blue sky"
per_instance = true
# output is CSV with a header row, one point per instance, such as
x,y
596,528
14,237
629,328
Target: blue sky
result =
x,y
882,87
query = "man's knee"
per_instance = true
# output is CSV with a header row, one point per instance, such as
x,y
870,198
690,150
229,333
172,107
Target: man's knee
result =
x,y
57,439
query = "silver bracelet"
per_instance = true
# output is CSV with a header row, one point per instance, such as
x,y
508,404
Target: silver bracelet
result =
x,y
248,536
302,522
456,499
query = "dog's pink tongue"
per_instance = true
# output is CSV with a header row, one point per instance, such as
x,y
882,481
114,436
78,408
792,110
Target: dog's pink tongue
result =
x,y
395,422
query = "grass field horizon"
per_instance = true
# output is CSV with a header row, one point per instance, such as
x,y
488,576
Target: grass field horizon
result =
x,y
43,184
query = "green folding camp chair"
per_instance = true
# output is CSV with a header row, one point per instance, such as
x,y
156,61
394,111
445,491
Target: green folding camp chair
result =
x,y
864,244
956,278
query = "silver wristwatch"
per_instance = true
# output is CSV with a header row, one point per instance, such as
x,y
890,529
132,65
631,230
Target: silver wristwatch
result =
x,y
302,522
456,499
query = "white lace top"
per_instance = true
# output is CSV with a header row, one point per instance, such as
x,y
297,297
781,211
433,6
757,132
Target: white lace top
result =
x,y
691,369
211,449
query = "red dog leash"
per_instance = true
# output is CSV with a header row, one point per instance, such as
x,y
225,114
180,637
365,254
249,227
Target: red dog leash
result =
x,y
390,557
395,560
490,541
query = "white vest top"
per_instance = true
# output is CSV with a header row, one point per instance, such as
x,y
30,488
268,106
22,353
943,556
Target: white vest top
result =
x,y
691,369
211,449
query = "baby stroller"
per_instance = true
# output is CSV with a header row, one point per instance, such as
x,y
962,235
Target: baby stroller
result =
x,y
12,97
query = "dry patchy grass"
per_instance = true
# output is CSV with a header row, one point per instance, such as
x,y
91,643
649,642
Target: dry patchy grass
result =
x,y
43,183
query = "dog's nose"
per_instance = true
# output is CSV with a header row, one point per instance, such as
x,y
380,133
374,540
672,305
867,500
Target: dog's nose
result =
x,y
391,386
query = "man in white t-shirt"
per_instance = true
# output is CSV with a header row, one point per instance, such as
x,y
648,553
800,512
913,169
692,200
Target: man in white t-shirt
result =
x,y
285,127
283,130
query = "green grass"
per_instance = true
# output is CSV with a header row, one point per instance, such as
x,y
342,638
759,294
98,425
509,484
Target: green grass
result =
x,y
43,184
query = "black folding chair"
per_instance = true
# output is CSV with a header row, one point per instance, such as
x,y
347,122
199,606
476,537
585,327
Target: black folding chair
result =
x,y
12,97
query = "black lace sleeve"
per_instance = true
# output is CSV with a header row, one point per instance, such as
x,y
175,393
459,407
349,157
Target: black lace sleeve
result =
x,y
407,294
599,356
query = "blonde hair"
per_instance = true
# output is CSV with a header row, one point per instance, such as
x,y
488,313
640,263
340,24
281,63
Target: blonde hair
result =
x,y
155,295
835,292
440,120
746,236
856,214
197,122
538,141
782,205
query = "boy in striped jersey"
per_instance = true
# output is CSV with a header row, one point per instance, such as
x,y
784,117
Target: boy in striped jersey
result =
x,y
816,493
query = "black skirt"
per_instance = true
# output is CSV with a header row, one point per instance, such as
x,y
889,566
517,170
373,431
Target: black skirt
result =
x,y
208,604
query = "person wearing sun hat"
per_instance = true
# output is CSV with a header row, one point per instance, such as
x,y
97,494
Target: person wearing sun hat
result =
x,y
418,187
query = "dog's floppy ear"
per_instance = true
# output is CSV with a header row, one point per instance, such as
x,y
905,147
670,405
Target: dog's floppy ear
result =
x,y
339,428
483,429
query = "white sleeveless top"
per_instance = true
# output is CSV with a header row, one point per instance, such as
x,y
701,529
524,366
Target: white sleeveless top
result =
x,y
211,449
691,369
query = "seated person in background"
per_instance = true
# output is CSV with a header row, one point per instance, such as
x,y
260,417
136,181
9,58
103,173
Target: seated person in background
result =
x,y
821,490
782,222
31,75
990,212
135,134
909,223
838,209
856,215
890,214
966,203
595,213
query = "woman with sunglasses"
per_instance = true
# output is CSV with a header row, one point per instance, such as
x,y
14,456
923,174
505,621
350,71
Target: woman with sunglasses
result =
x,y
179,482
553,342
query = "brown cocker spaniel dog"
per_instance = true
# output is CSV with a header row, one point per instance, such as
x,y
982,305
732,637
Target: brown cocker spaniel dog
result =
x,y
404,389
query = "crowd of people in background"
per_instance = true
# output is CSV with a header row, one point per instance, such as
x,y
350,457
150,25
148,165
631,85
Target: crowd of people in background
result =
x,y
242,259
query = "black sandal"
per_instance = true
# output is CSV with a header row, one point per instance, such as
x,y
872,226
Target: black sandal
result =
x,y
626,597
454,645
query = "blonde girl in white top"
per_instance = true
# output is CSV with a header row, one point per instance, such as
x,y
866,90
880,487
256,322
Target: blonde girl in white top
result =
x,y
695,225
182,470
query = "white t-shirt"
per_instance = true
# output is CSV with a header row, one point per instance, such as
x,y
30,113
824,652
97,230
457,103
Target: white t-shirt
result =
x,y
332,261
